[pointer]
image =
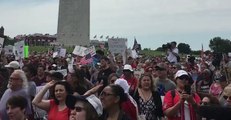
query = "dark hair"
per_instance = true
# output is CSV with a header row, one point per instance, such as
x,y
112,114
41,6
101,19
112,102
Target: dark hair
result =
x,y
91,113
112,75
105,58
67,87
31,68
146,75
119,91
17,101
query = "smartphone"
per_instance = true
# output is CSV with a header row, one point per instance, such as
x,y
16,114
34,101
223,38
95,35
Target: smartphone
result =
x,y
187,89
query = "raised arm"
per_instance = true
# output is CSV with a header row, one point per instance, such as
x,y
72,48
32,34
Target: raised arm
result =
x,y
38,100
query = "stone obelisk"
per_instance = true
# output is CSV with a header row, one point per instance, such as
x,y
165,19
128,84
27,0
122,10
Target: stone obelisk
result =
x,y
74,22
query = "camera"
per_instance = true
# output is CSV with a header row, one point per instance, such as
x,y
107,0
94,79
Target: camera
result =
x,y
187,89
167,46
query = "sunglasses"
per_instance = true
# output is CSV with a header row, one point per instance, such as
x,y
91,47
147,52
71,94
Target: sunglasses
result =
x,y
78,109
184,77
226,97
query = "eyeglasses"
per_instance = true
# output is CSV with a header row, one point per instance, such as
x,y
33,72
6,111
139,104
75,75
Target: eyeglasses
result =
x,y
78,109
226,97
184,77
104,94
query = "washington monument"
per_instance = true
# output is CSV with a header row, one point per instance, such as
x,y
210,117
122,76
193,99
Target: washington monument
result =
x,y
74,22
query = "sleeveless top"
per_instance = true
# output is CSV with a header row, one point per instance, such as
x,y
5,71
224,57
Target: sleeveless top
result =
x,y
54,114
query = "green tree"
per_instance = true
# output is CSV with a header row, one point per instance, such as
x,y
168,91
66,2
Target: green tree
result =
x,y
184,48
217,44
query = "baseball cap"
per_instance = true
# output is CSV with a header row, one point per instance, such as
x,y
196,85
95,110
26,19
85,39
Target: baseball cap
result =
x,y
160,66
123,83
181,73
128,67
13,64
92,100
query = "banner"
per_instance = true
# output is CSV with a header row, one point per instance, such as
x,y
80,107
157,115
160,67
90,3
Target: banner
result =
x,y
26,51
117,45
79,50
1,44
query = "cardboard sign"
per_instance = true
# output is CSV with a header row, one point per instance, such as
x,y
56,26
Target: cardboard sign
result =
x,y
79,50
117,45
1,44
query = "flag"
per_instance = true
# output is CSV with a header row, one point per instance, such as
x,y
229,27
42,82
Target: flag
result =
x,y
88,57
107,37
101,36
135,45
112,37
95,36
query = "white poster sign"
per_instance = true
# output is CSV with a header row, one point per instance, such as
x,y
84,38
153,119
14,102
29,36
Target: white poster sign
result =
x,y
117,45
79,50
62,52
19,49
1,44
9,50
90,50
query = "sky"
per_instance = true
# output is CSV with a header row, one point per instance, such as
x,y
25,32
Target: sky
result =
x,y
151,22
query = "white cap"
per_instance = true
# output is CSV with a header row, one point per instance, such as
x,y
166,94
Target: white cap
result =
x,y
96,103
180,73
123,83
13,64
128,67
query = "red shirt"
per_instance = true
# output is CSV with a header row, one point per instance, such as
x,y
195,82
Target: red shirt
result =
x,y
169,102
54,114
129,108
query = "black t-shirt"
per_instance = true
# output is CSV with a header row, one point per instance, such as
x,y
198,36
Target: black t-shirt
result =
x,y
103,75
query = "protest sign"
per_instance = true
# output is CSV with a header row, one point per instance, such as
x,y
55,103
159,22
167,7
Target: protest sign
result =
x,y
88,54
62,52
79,50
8,50
117,45
1,44
19,49
26,51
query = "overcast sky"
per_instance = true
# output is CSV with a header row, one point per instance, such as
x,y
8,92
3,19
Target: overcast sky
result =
x,y
152,22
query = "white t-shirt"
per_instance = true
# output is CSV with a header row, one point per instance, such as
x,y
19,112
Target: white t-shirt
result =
x,y
186,111
171,57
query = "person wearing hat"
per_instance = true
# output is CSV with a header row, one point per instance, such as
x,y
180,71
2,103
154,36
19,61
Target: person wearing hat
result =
x,y
13,65
162,82
130,78
181,103
225,99
84,108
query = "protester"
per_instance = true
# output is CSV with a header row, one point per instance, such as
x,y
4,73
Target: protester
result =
x,y
162,82
112,97
148,100
226,96
17,85
16,108
172,53
181,103
84,108
56,108
112,78
105,71
130,78
13,65
40,78
129,106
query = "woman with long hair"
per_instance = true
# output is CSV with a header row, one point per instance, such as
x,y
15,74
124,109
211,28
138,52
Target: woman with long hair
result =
x,y
56,107
112,97
148,100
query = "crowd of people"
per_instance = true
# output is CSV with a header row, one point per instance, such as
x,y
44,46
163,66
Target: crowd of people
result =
x,y
164,88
